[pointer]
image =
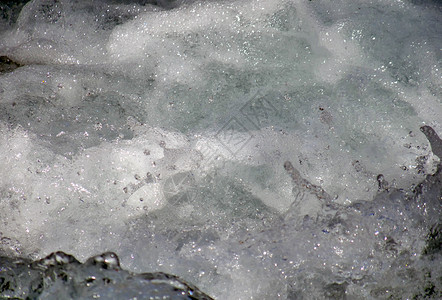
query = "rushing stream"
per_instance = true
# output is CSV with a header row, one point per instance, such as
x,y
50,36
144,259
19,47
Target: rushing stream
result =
x,y
256,149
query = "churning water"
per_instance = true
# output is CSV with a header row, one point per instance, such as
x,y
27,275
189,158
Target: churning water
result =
x,y
259,149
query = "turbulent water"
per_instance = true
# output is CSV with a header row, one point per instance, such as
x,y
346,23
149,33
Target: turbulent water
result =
x,y
62,276
258,149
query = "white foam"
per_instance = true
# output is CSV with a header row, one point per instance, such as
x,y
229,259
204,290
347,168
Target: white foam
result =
x,y
142,130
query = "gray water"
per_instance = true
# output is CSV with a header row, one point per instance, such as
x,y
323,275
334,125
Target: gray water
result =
x,y
257,149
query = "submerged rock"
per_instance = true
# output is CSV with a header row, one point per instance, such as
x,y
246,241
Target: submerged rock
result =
x,y
62,276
